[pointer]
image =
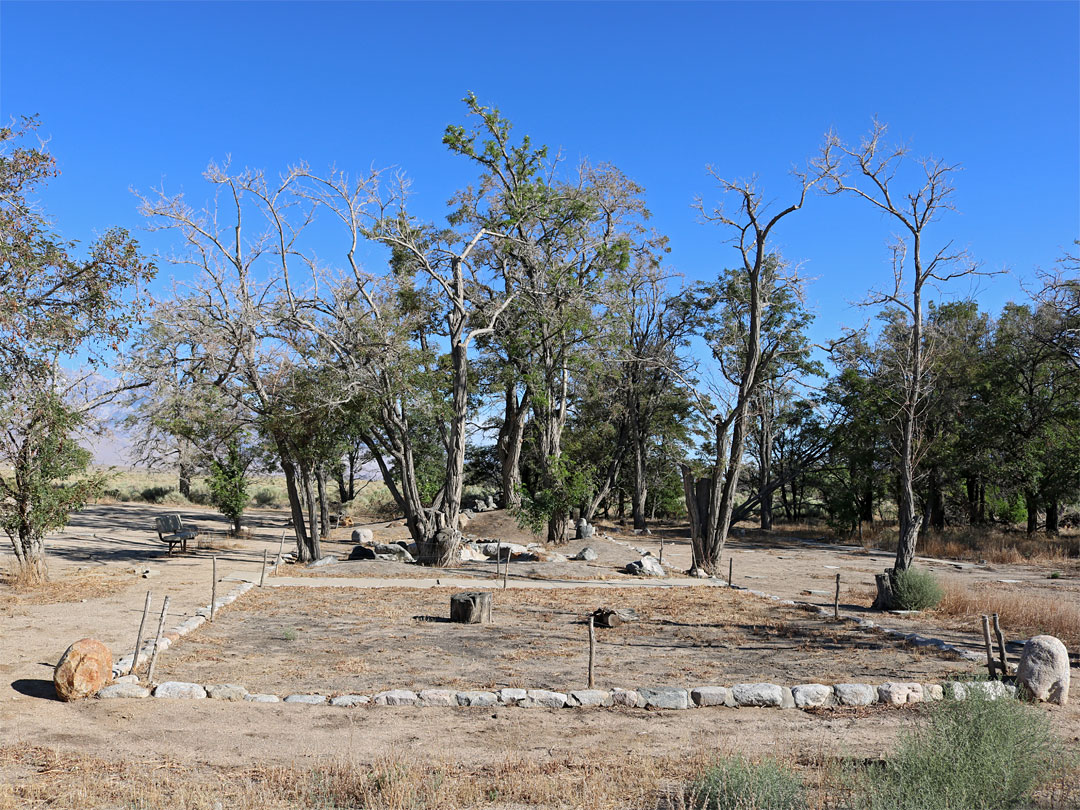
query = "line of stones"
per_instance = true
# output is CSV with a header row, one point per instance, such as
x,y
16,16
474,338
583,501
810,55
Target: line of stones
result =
x,y
746,695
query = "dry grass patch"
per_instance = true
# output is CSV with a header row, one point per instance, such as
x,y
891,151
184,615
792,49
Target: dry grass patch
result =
x,y
991,544
73,587
1022,613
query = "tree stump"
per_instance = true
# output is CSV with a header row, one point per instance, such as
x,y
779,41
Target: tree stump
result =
x,y
886,590
471,607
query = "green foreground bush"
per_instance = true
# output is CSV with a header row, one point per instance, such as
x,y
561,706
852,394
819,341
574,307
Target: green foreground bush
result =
x,y
917,590
975,754
736,784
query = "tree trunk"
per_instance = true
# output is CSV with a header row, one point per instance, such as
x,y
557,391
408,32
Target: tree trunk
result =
x,y
314,547
185,480
30,555
296,510
937,501
1031,501
638,438
1052,517
511,437
324,501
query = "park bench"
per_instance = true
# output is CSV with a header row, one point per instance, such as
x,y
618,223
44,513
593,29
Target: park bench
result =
x,y
171,530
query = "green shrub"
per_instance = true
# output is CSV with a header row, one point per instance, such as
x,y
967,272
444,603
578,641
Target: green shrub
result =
x,y
917,590
974,753
736,784
265,497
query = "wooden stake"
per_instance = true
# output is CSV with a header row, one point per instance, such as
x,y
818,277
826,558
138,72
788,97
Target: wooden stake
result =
x,y
498,560
262,576
213,591
157,640
138,637
506,568
989,648
592,649
730,582
836,599
1001,647
281,548
661,550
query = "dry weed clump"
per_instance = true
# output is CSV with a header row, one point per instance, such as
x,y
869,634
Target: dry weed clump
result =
x,y
1021,614
994,545
19,589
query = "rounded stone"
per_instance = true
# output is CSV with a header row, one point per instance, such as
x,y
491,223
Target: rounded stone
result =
x,y
1044,669
84,668
179,689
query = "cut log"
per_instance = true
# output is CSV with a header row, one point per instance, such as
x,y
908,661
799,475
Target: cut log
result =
x,y
471,607
886,591
607,617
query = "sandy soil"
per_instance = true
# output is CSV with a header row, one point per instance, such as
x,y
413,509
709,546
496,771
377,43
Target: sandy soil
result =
x,y
107,542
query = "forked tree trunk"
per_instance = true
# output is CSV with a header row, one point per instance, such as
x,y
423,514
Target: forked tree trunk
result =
x,y
314,546
296,509
324,501
511,437
638,437
1031,501
1052,517
185,480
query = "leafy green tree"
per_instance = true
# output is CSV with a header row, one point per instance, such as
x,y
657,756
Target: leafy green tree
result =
x,y
228,483
52,306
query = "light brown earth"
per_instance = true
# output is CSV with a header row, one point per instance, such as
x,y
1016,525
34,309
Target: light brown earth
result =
x,y
206,742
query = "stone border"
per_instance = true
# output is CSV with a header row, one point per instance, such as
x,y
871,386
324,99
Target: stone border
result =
x,y
744,695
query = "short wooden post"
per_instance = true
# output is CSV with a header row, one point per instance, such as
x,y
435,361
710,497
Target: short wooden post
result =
x,y
730,581
471,607
1001,647
157,640
498,560
138,636
661,549
213,591
262,574
836,599
592,649
506,568
281,548
989,648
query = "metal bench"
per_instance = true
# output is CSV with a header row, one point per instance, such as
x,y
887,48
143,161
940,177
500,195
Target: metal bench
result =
x,y
171,530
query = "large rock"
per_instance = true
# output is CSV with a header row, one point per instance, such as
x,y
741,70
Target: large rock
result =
x,y
310,700
897,694
123,690
179,689
587,554
395,697
808,695
512,697
84,668
626,697
363,536
712,696
226,691
508,549
1044,669
590,697
855,694
477,698
545,698
664,697
438,697
647,566
393,552
348,701
757,694
470,553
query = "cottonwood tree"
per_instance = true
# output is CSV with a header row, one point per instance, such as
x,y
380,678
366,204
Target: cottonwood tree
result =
x,y
565,236
734,311
874,171
52,306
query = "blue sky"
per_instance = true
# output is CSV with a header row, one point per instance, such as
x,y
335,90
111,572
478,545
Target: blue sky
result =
x,y
133,94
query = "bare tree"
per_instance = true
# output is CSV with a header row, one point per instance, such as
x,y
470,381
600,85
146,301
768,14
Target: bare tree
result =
x,y
737,347
870,171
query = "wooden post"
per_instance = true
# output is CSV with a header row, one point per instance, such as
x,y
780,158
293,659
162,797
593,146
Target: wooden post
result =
x,y
730,582
989,649
1001,647
498,560
213,591
138,637
506,568
262,575
661,549
281,548
836,599
592,649
157,640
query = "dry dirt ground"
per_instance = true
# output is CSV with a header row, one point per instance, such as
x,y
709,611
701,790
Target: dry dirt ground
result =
x,y
53,754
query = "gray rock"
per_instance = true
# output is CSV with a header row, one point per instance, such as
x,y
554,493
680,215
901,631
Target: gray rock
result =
x,y
787,700
855,694
349,701
327,560
395,697
647,566
475,698
255,697
1044,669
587,554
492,549
545,698
812,694
712,696
179,689
363,536
757,694
511,697
626,697
123,690
933,691
438,697
991,690
585,530
127,678
226,691
664,697
589,697
393,552
311,700
898,694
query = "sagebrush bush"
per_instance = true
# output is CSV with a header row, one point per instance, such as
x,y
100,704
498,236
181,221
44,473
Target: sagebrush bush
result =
x,y
737,784
917,590
155,494
973,753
